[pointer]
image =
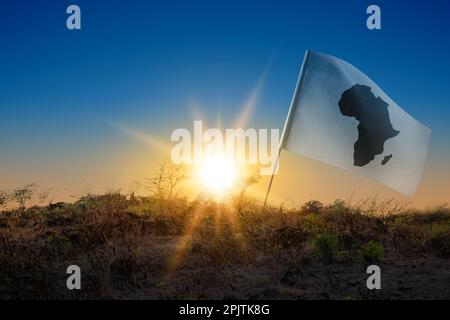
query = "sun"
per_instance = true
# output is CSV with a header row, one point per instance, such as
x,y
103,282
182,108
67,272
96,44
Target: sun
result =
x,y
217,174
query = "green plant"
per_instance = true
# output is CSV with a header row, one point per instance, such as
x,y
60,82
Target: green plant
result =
x,y
314,224
326,245
372,252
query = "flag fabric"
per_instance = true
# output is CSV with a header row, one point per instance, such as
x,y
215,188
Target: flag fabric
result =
x,y
341,117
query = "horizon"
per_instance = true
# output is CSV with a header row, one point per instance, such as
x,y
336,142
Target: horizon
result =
x,y
92,110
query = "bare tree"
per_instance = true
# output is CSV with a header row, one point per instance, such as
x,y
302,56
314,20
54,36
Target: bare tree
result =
x,y
241,199
22,194
166,184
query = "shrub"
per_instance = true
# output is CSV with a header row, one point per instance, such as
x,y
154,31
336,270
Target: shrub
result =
x,y
372,252
314,224
326,245
4,197
216,239
338,205
312,206
439,239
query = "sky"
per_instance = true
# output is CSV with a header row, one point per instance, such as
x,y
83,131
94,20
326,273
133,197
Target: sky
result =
x,y
75,105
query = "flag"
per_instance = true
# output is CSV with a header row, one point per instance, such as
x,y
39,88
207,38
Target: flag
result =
x,y
339,116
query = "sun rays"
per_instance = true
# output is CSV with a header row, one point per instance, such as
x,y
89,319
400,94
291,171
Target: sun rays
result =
x,y
215,177
225,226
217,174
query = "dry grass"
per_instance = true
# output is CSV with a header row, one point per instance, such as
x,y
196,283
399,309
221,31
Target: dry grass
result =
x,y
146,247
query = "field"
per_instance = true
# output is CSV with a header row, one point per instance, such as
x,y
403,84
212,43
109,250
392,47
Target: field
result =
x,y
132,247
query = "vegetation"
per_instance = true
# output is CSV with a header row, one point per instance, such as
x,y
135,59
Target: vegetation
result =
x,y
372,252
326,245
163,246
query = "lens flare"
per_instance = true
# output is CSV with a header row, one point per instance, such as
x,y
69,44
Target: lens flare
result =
x,y
217,174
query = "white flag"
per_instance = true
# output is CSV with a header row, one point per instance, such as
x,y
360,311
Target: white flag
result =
x,y
341,117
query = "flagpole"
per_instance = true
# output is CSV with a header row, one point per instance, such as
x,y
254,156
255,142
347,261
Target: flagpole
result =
x,y
288,122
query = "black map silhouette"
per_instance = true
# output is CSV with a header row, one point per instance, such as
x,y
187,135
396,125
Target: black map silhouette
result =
x,y
374,127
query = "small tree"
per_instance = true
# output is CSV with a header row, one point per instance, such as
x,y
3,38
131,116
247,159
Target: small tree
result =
x,y
4,198
22,194
44,194
165,186
248,181
312,206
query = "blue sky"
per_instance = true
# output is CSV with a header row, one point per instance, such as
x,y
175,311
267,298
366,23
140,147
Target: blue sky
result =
x,y
145,64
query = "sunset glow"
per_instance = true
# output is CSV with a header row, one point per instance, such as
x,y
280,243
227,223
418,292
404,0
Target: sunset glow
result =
x,y
217,174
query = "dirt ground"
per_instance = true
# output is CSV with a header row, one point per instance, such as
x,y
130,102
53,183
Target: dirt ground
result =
x,y
130,249
269,278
